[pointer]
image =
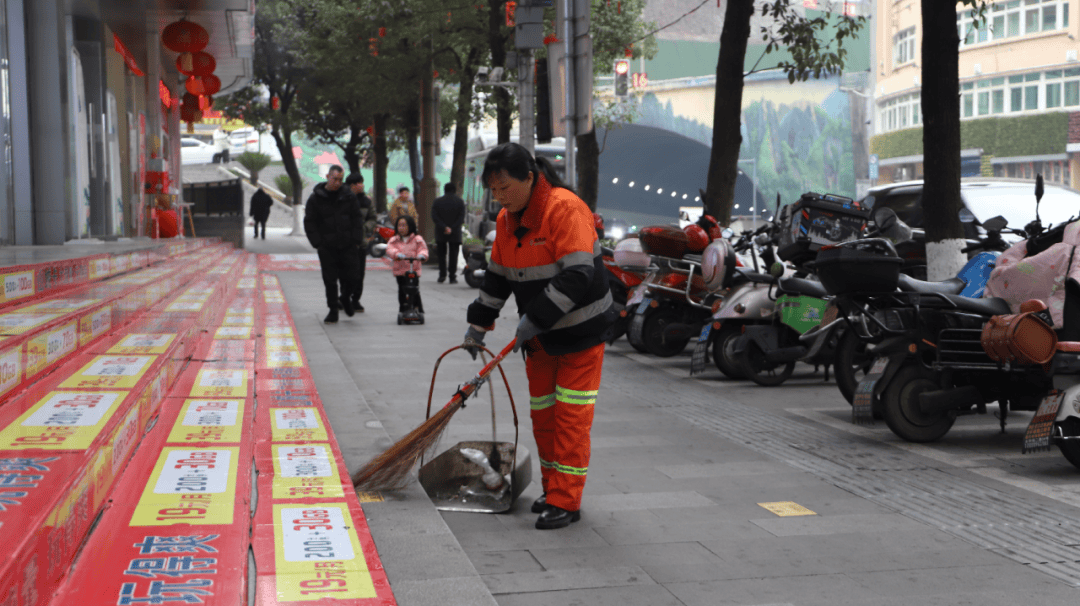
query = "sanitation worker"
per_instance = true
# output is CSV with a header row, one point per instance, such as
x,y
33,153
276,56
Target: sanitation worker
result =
x,y
547,255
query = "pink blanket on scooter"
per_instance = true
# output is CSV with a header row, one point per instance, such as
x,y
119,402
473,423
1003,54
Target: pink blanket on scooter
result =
x,y
1040,276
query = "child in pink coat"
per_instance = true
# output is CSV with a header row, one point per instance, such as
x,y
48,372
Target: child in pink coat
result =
x,y
406,244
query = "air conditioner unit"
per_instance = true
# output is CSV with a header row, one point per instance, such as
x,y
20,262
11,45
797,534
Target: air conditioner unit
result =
x,y
978,69
915,80
1070,55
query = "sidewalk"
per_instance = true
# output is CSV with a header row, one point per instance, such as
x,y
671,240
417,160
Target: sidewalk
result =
x,y
672,513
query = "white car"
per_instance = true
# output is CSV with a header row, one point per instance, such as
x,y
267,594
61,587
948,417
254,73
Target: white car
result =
x,y
247,139
193,151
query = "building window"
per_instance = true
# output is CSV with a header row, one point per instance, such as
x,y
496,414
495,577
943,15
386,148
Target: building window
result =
x,y
901,112
904,47
1010,19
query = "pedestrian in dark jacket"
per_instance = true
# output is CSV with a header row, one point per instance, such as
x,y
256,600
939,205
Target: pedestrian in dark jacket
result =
x,y
334,227
448,213
260,210
355,181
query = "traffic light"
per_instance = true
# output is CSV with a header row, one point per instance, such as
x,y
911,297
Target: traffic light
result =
x,y
622,76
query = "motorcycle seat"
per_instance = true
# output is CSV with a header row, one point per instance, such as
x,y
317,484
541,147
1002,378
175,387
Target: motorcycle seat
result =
x,y
800,286
952,286
992,306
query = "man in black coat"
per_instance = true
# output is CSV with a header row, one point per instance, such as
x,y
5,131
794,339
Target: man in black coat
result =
x,y
355,181
448,213
334,227
260,210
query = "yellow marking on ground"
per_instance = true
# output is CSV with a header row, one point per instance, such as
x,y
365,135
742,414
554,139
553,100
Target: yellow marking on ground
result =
x,y
786,509
369,497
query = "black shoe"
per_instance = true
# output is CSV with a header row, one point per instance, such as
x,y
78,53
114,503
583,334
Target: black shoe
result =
x,y
443,279
346,306
539,504
453,280
357,307
556,517
331,318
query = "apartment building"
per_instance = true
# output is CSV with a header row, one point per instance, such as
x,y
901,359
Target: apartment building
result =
x,y
1019,90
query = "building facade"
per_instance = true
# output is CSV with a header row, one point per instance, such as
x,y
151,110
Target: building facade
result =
x,y
90,110
1019,97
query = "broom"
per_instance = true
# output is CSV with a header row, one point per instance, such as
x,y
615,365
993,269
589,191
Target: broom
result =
x,y
389,470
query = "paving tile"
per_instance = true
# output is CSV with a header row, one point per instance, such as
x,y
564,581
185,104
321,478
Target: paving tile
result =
x,y
420,558
464,591
817,524
516,540
794,590
664,562
915,583
647,500
501,562
670,532
712,470
564,579
650,595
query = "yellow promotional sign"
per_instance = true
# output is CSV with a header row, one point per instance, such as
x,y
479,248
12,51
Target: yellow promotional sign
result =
x,y
278,331
124,372
317,554
217,421
283,358
217,383
246,283
43,350
94,324
233,332
239,320
297,424
190,486
281,343
17,285
17,323
186,305
306,471
61,305
11,369
100,268
142,343
62,421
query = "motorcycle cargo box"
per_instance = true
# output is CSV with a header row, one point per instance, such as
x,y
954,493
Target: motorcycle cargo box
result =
x,y
663,240
817,220
628,255
1021,338
859,267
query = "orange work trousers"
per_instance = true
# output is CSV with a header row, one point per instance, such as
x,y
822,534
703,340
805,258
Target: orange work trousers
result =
x,y
562,392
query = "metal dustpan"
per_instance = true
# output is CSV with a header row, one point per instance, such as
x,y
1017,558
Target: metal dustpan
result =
x,y
454,483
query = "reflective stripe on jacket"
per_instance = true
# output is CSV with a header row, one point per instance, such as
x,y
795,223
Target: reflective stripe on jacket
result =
x,y
549,258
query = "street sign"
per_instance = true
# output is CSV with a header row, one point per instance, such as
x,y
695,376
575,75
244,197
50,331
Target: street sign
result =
x,y
873,167
641,80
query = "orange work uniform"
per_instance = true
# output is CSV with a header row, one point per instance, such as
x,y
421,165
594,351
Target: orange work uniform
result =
x,y
548,257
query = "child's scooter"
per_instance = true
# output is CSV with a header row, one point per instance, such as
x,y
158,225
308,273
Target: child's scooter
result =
x,y
411,313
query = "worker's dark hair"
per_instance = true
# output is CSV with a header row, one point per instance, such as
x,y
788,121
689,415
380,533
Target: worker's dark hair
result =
x,y
354,178
335,168
518,163
409,221
402,188
449,189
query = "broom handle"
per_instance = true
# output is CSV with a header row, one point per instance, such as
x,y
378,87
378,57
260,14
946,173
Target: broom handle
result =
x,y
469,388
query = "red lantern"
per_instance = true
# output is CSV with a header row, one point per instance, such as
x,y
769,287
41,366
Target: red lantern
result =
x,y
185,37
196,64
206,102
190,113
203,85
275,103
382,32
191,100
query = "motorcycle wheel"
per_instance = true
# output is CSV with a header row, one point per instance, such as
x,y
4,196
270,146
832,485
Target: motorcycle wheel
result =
x,y
1070,448
756,369
652,334
852,363
618,294
901,406
723,354
633,330
470,279
375,254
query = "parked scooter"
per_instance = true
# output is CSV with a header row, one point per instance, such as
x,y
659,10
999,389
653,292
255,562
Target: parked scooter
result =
x,y
380,235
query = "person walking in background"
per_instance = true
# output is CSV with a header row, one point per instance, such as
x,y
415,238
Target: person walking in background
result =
x,y
547,255
260,210
355,181
406,244
403,205
448,213
334,228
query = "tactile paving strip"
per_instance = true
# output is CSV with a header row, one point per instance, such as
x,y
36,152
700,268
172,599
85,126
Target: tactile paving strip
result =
x,y
1016,526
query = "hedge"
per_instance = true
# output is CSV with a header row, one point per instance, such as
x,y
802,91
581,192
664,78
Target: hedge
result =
x,y
999,137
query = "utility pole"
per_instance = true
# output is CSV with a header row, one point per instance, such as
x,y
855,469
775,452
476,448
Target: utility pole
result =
x,y
428,139
526,101
568,59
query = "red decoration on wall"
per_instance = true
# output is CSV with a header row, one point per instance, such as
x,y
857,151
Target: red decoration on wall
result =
x,y
275,103
203,85
196,64
382,32
184,37
129,59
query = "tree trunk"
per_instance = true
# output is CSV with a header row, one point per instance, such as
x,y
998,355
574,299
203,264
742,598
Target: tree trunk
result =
x,y
351,149
941,139
462,120
588,168
378,190
727,111
497,43
411,133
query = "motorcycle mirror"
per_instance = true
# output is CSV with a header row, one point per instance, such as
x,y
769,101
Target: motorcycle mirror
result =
x,y
997,223
966,216
728,232
884,218
776,270
379,249
1038,195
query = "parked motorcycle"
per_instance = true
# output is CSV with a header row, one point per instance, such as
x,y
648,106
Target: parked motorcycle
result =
x,y
380,235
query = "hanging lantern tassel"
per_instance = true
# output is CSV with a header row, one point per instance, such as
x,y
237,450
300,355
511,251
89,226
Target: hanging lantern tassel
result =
x,y
629,52
275,103
373,46
382,32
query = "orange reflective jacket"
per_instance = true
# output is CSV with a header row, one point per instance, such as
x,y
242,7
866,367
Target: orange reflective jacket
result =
x,y
548,256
